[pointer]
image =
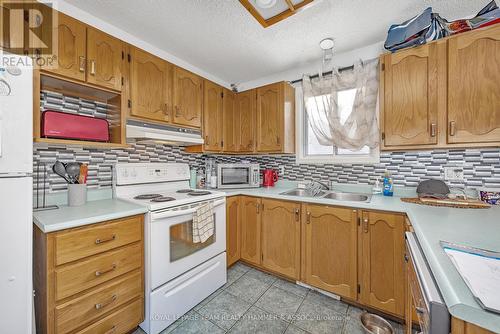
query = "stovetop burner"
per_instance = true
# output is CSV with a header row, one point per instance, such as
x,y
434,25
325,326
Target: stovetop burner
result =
x,y
147,196
162,199
199,193
184,191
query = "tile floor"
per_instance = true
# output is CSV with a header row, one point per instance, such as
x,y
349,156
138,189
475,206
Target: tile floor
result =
x,y
255,302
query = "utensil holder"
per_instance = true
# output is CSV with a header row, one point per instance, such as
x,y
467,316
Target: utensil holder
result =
x,y
77,194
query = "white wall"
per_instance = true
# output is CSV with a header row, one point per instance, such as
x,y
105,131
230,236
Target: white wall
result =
x,y
339,60
83,16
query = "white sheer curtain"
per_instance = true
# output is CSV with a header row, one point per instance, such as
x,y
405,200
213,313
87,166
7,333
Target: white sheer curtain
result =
x,y
329,122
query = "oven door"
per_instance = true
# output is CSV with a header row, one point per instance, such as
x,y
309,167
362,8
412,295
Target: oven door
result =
x,y
172,250
235,176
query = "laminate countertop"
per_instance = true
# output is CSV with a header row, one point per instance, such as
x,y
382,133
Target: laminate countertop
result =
x,y
471,227
92,212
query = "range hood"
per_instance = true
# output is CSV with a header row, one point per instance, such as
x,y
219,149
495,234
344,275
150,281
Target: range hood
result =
x,y
140,131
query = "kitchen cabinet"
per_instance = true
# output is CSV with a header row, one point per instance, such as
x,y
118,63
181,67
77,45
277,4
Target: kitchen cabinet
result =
x,y
150,86
233,229
411,101
188,98
104,59
459,326
71,57
246,118
275,118
251,229
230,122
212,116
90,279
281,237
473,89
382,274
330,249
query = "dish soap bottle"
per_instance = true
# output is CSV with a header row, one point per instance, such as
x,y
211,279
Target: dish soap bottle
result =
x,y
388,185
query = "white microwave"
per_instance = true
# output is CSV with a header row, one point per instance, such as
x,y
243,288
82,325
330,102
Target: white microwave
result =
x,y
238,176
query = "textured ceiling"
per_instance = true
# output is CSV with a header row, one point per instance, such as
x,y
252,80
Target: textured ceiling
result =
x,y
222,38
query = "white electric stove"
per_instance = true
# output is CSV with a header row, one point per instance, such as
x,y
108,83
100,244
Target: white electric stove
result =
x,y
179,273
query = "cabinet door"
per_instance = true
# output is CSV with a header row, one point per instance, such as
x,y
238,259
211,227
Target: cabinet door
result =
x,y
151,86
212,116
330,243
104,59
233,228
411,79
188,98
269,117
230,126
250,229
473,87
245,109
382,262
281,237
71,37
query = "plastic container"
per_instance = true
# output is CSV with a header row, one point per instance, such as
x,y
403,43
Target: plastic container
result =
x,y
388,185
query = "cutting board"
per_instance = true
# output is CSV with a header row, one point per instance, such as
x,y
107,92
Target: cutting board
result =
x,y
451,203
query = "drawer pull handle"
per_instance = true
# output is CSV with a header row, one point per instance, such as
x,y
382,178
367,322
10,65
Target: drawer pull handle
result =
x,y
365,225
111,330
102,305
102,241
99,272
308,217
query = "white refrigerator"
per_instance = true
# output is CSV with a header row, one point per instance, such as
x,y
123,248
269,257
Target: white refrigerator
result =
x,y
16,194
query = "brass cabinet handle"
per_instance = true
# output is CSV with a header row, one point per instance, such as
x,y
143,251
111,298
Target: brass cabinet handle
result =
x,y
297,214
308,217
258,207
452,128
92,67
177,112
433,129
111,330
365,225
102,305
102,272
206,140
82,63
102,241
278,140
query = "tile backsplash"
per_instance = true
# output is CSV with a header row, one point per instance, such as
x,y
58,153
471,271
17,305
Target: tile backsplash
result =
x,y
481,166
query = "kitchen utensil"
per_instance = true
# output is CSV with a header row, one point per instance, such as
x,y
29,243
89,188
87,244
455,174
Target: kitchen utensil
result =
x,y
84,170
73,171
374,324
433,188
451,203
270,177
60,169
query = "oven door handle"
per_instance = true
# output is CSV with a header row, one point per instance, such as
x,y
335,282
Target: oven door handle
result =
x,y
175,213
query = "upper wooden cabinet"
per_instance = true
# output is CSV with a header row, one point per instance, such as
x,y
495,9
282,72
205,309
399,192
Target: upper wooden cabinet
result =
x,y
330,249
188,98
382,277
246,117
233,230
251,229
275,118
212,116
411,95
444,94
104,58
150,86
473,87
230,122
72,52
281,237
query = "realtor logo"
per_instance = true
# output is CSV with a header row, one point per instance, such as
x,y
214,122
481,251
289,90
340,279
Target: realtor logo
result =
x,y
28,28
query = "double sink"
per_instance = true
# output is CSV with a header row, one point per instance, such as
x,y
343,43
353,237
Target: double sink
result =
x,y
339,196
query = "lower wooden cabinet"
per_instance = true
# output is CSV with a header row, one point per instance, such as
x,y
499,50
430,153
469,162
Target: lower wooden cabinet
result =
x,y
382,274
233,230
281,237
330,249
90,279
251,229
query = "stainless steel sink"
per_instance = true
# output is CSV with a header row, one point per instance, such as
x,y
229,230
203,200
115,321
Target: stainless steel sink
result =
x,y
302,193
348,197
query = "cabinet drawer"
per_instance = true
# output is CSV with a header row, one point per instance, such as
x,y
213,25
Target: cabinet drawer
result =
x,y
88,307
121,321
86,274
79,243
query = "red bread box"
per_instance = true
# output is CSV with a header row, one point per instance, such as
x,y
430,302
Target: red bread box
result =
x,y
56,124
